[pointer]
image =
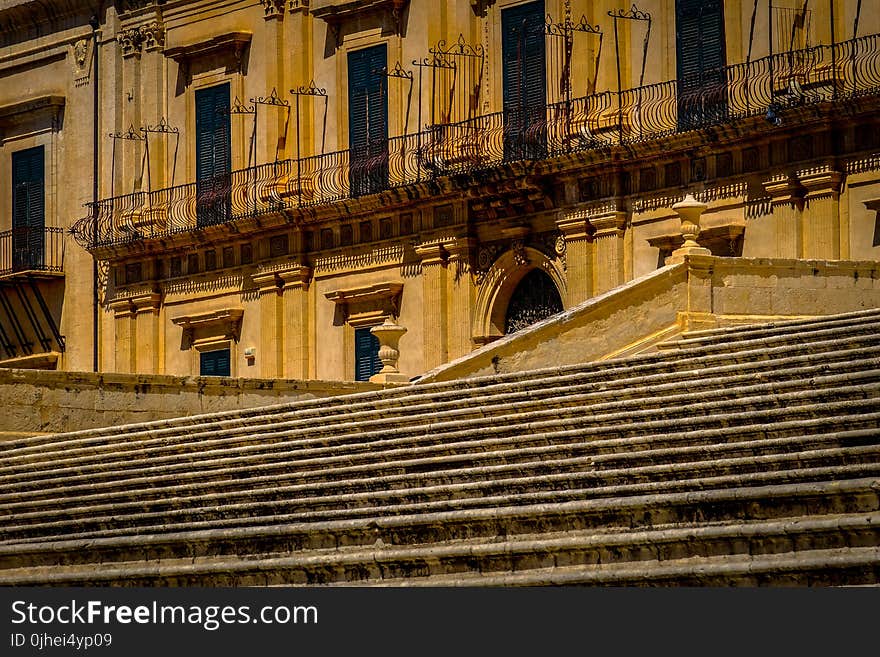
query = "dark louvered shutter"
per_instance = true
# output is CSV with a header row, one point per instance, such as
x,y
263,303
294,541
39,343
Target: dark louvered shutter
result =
x,y
366,354
214,363
213,154
524,79
28,208
368,120
700,62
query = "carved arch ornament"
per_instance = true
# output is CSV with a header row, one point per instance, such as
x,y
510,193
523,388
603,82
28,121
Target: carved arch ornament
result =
x,y
501,279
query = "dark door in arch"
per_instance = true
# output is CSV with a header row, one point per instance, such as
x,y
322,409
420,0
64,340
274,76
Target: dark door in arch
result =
x,y
535,298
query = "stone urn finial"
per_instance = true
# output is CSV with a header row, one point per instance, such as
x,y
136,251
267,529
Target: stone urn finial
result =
x,y
388,333
689,210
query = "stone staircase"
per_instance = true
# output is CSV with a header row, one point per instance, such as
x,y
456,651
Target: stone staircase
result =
x,y
748,455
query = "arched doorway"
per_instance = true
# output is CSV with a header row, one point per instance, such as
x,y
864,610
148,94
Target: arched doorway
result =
x,y
534,298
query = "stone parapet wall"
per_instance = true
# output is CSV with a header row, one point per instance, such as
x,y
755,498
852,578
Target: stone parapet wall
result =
x,y
49,402
703,292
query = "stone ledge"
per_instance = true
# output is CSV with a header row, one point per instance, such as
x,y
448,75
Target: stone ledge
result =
x,y
42,401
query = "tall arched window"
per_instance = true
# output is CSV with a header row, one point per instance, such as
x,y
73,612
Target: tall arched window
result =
x,y
534,298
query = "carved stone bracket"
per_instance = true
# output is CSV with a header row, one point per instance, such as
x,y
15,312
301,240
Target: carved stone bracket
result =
x,y
153,36
143,301
149,37
82,61
273,8
130,40
550,243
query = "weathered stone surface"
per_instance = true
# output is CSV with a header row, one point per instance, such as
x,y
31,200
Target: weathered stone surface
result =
x,y
742,455
51,402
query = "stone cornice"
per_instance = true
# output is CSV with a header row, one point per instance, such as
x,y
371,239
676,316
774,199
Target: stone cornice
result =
x,y
336,10
225,322
50,104
234,42
365,306
17,14
376,292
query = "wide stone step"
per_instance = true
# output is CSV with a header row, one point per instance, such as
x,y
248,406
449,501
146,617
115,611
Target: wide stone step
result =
x,y
377,563
448,468
731,381
732,334
156,516
763,503
610,434
854,336
742,449
558,475
816,390
479,471
833,567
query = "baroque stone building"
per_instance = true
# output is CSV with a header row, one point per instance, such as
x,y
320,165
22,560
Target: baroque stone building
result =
x,y
247,188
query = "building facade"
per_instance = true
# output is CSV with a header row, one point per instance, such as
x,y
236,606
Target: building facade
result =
x,y
246,188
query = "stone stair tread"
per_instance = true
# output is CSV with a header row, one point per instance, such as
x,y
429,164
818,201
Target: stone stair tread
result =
x,y
742,455
636,393
653,540
715,571
645,382
531,420
370,504
505,435
470,476
510,456
802,324
465,387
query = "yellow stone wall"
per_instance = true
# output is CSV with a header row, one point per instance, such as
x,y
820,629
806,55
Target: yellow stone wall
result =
x,y
456,277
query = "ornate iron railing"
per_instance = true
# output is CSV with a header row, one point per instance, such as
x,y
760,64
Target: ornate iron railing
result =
x,y
766,86
26,248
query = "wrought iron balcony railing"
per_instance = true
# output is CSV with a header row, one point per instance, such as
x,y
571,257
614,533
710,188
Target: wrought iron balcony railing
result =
x,y
764,86
30,249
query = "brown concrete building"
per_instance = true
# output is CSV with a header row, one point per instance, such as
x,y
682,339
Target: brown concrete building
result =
x,y
275,178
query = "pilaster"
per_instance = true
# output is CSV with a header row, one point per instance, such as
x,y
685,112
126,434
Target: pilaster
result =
x,y
146,347
271,324
821,214
787,203
578,234
297,322
433,257
136,329
124,335
461,294
608,249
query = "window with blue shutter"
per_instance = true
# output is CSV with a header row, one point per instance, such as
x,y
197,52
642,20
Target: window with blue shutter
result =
x,y
28,208
213,155
700,62
214,363
524,80
368,120
366,354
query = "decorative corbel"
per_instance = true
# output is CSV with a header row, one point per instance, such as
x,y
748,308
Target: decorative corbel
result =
x,y
153,36
273,8
298,5
130,40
